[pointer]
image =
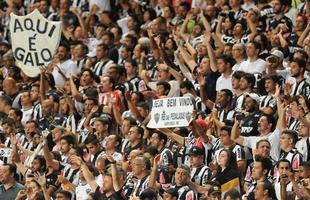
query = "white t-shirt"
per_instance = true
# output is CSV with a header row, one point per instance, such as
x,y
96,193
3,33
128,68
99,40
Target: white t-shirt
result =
x,y
27,115
104,5
273,138
258,66
224,83
68,67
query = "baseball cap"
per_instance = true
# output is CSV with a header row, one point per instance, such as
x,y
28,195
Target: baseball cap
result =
x,y
202,123
214,190
173,192
254,96
277,53
196,151
91,54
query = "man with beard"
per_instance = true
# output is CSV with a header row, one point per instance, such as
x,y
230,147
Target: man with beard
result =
x,y
268,103
225,110
9,187
250,115
301,87
63,67
245,85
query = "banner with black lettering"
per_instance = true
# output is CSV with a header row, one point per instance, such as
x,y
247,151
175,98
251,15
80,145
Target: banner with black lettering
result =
x,y
171,112
34,41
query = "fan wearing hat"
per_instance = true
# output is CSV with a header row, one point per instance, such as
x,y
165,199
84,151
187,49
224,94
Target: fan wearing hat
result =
x,y
250,115
215,193
200,173
275,64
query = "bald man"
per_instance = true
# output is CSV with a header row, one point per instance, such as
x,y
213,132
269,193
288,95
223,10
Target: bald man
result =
x,y
50,119
12,90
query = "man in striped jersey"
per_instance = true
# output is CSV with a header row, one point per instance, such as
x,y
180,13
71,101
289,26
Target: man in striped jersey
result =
x,y
181,178
141,167
288,140
200,172
268,104
301,87
101,67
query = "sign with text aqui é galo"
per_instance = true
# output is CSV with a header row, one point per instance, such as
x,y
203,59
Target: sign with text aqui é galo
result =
x,y
171,112
34,41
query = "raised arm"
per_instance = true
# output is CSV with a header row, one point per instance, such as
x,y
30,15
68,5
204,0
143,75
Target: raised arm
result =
x,y
16,159
132,107
252,28
117,184
89,177
42,182
179,139
235,133
177,75
211,54
50,162
304,34
203,94
204,21
154,173
218,31
86,123
74,90
281,124
76,12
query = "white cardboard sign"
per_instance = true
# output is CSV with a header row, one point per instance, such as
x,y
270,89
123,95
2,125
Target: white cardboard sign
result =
x,y
171,112
34,41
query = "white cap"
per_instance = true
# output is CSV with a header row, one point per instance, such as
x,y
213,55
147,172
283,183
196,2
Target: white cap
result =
x,y
254,96
277,53
91,54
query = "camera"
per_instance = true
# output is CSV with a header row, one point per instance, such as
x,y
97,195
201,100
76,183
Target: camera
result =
x,y
222,14
239,116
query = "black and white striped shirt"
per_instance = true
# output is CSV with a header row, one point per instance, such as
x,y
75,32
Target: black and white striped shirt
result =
x,y
101,67
229,115
268,101
201,175
135,85
140,185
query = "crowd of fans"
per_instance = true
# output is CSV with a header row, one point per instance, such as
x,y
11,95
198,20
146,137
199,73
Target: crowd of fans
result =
x,y
79,129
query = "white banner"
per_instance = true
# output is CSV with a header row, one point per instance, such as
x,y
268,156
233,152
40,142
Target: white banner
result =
x,y
34,41
171,112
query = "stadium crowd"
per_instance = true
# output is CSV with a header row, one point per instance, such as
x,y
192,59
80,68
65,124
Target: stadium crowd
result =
x,y
79,129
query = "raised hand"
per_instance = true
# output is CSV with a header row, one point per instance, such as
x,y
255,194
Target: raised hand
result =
x,y
40,178
207,36
94,109
201,80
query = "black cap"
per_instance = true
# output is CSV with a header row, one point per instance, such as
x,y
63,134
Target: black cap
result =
x,y
214,190
196,151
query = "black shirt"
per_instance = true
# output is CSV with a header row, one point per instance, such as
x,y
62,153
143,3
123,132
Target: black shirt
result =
x,y
249,125
210,87
101,196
